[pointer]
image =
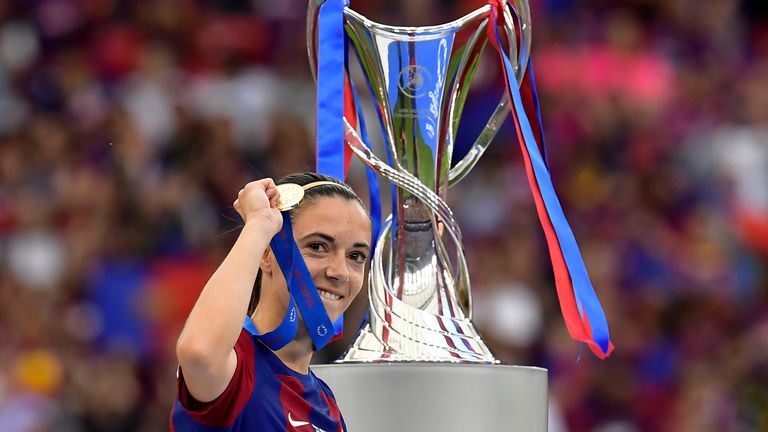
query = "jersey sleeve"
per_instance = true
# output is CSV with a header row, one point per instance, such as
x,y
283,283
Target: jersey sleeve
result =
x,y
222,411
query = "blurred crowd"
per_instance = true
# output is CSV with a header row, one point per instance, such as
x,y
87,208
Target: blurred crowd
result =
x,y
128,126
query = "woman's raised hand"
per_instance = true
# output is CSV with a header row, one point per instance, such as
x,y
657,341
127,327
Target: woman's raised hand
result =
x,y
257,202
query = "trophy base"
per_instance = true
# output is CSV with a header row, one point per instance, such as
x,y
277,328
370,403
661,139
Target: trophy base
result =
x,y
368,347
385,397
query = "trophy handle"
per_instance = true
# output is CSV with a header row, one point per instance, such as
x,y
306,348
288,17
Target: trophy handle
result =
x,y
313,9
404,180
431,200
516,11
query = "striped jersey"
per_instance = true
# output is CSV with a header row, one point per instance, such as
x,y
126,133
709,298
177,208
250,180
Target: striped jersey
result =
x,y
263,395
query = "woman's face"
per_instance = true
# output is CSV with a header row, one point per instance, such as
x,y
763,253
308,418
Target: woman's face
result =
x,y
333,235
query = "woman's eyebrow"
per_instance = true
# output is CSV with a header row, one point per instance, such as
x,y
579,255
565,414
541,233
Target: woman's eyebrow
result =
x,y
330,239
327,237
362,246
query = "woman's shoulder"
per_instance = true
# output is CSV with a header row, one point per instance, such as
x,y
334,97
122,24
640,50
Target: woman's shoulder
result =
x,y
322,385
222,411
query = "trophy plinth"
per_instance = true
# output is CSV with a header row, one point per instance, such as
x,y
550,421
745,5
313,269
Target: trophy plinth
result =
x,y
441,397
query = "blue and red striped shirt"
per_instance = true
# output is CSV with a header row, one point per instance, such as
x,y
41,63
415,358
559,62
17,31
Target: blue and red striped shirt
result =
x,y
263,395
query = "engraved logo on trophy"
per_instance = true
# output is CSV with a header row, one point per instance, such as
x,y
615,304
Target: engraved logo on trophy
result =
x,y
414,81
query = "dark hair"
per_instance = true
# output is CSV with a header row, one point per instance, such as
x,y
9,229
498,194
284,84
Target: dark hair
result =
x,y
311,194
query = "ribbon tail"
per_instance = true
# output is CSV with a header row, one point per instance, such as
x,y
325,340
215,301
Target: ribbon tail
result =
x,y
582,312
533,112
331,57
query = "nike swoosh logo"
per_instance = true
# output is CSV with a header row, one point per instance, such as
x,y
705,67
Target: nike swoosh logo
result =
x,y
295,423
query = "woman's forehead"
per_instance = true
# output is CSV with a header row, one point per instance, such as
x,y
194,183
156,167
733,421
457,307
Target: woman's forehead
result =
x,y
334,215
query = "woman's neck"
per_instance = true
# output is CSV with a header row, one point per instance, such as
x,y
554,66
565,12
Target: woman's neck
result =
x,y
297,354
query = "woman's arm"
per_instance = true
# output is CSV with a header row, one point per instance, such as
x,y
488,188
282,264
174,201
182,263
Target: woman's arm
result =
x,y
205,347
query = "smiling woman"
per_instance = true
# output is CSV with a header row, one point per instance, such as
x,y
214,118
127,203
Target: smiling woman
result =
x,y
228,379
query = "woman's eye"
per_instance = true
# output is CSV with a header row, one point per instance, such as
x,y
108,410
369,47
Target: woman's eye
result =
x,y
317,247
358,257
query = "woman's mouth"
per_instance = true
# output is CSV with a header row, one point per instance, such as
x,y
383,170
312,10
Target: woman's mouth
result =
x,y
328,295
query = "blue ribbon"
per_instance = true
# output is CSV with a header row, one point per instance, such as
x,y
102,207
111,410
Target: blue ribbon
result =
x,y
283,334
529,71
302,289
585,295
331,59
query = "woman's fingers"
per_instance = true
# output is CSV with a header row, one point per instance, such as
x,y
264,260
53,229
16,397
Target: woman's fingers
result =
x,y
257,195
272,193
260,199
274,200
269,183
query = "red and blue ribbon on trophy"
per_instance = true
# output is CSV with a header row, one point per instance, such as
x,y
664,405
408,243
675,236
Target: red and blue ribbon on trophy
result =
x,y
581,309
584,317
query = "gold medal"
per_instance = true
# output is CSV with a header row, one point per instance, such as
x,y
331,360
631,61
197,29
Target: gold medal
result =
x,y
290,196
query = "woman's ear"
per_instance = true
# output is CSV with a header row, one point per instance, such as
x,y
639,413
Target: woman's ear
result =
x,y
266,263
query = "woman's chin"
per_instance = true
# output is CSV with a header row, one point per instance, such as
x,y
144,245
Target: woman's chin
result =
x,y
333,308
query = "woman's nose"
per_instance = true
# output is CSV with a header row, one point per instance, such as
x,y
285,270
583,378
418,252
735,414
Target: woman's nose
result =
x,y
337,268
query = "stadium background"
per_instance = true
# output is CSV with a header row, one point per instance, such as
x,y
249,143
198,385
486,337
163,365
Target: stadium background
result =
x,y
127,128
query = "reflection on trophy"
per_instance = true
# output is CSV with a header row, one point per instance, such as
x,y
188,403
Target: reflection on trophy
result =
x,y
419,286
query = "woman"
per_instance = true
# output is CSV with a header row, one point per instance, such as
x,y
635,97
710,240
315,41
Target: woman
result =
x,y
227,378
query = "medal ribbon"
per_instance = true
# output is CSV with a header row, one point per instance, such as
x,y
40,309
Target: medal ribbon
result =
x,y
584,317
283,334
302,292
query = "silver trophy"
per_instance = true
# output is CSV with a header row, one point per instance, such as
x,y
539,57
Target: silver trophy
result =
x,y
419,287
